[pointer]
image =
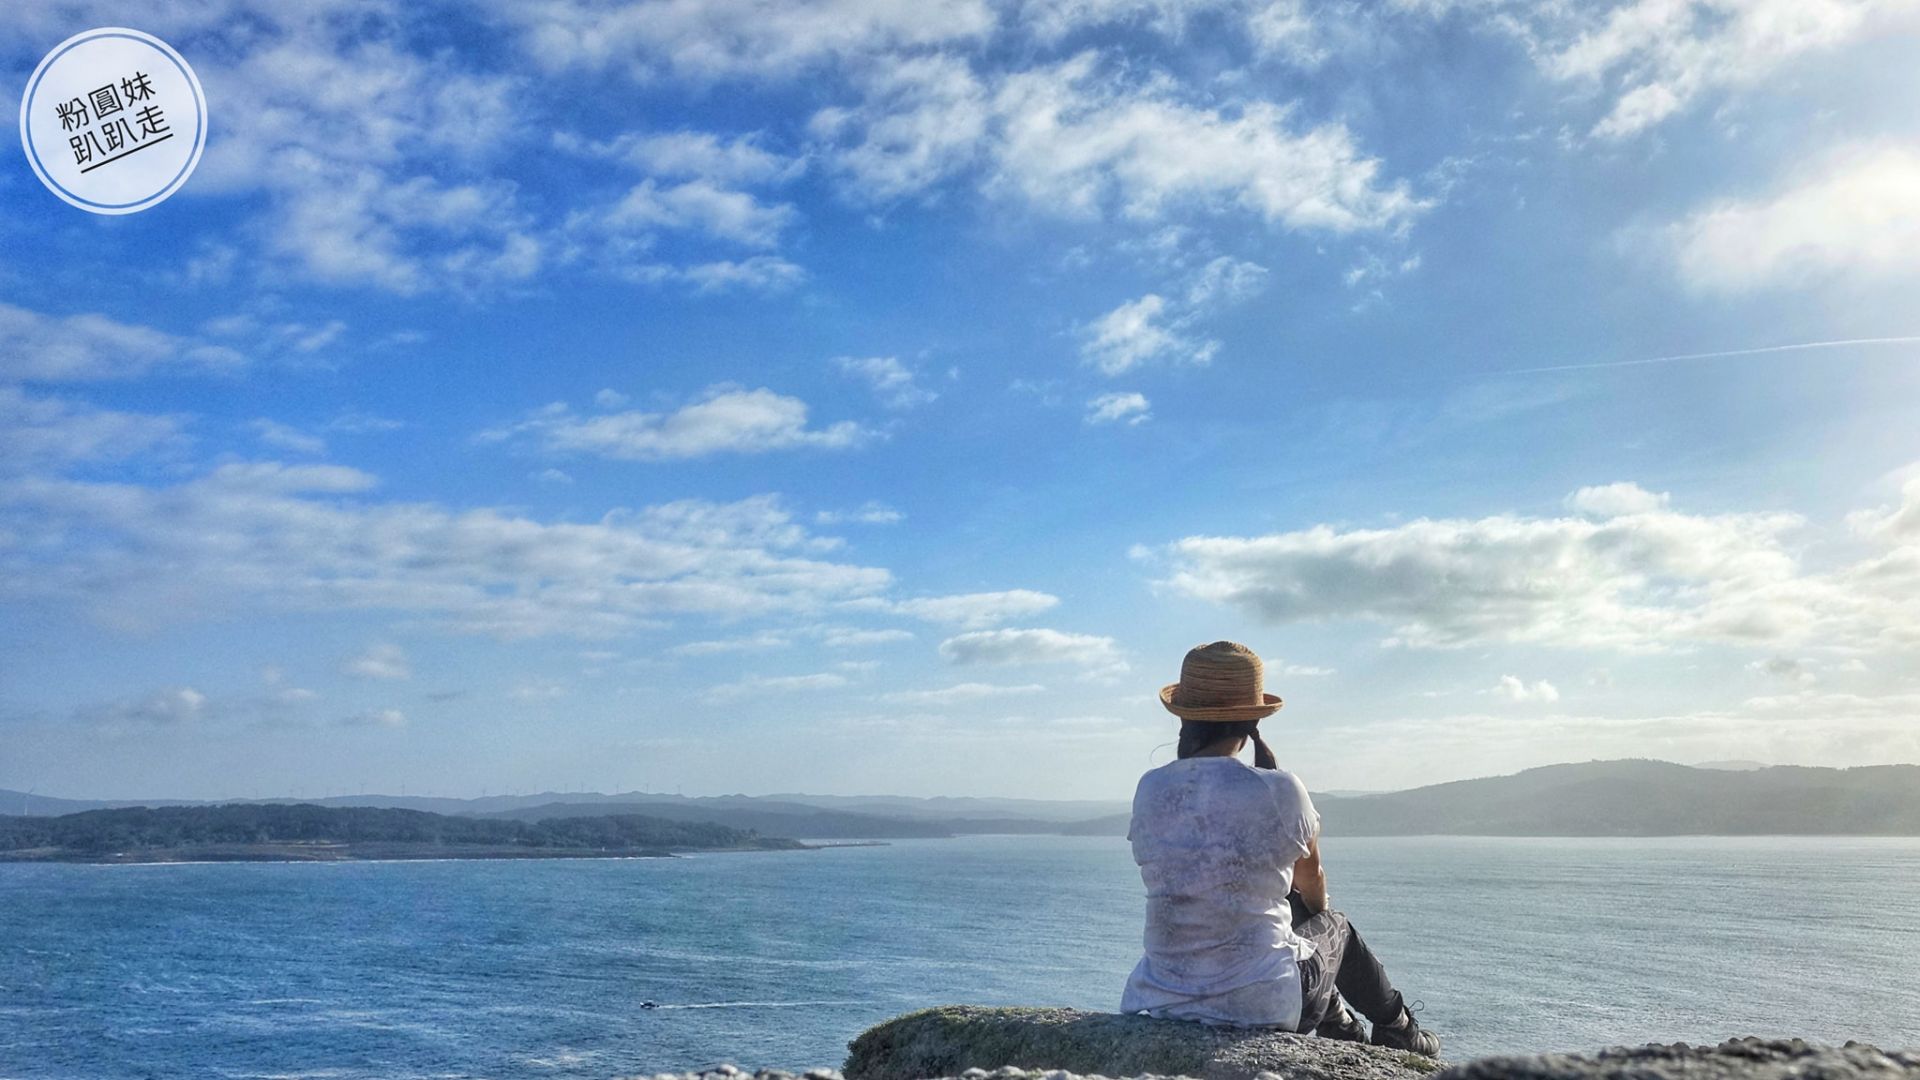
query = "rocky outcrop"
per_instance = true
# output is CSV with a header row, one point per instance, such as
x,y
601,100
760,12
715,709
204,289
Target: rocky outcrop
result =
x,y
975,1043
955,1042
1737,1059
950,1040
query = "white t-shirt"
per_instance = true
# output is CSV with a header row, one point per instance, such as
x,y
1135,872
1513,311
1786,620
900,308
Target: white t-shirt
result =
x,y
1216,840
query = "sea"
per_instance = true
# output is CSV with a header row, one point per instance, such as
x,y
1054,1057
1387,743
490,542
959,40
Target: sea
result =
x,y
547,968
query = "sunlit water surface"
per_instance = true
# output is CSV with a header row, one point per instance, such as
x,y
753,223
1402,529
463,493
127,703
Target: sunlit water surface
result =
x,y
540,968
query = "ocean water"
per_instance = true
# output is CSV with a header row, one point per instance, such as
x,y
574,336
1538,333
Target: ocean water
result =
x,y
541,968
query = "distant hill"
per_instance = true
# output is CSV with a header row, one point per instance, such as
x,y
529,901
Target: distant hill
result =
x,y
1643,798
941,809
28,804
949,808
1598,798
772,818
806,822
255,830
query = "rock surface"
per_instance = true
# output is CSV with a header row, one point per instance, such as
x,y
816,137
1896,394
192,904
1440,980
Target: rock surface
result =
x,y
1736,1059
888,1051
950,1040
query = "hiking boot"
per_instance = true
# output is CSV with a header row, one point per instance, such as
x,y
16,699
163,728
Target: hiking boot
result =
x,y
1342,1025
1407,1035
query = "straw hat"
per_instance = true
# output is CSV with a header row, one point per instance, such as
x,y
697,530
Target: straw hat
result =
x,y
1220,682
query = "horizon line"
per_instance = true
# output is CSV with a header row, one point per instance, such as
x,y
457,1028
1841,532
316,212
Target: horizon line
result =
x,y
1707,766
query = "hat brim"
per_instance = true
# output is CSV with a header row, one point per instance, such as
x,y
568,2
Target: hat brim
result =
x,y
1220,714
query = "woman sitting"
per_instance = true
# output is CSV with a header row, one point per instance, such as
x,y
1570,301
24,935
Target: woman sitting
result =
x,y
1239,930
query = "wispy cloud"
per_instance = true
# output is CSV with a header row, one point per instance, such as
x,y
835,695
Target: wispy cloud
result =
x,y
775,686
895,384
89,347
272,538
1096,653
286,437
1762,350
1079,139
957,694
380,661
1119,408
726,420
964,609
1520,692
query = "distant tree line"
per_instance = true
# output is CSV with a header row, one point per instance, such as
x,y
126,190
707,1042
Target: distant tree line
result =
x,y
184,826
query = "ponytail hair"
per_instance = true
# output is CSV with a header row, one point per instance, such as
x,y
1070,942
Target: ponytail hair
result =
x,y
1197,735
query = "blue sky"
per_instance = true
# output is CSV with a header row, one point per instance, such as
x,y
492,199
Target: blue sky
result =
x,y
862,396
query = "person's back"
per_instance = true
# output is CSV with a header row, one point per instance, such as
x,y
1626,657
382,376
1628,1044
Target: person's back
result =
x,y
1239,926
1216,841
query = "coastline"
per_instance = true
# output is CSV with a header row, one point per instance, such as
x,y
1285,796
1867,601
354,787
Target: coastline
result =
x,y
366,852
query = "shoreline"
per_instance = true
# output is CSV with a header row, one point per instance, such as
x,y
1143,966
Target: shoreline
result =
x,y
362,852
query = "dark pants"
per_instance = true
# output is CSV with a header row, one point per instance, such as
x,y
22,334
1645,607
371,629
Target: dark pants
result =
x,y
1340,962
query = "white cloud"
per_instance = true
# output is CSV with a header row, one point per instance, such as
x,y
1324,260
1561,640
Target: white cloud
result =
x,y
1635,575
722,39
1129,408
868,513
1373,270
252,538
751,643
1517,690
688,154
161,708
1287,29
1154,328
357,423
380,661
841,637
776,686
727,420
1225,280
924,118
302,338
1893,524
373,156
1051,20
892,382
1854,214
1656,56
1074,141
1099,655
1616,500
697,206
693,193
765,273
287,437
42,432
969,610
960,693
376,718
1068,139
1139,332
90,347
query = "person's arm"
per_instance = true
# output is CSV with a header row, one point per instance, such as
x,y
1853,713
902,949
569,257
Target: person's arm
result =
x,y
1310,879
